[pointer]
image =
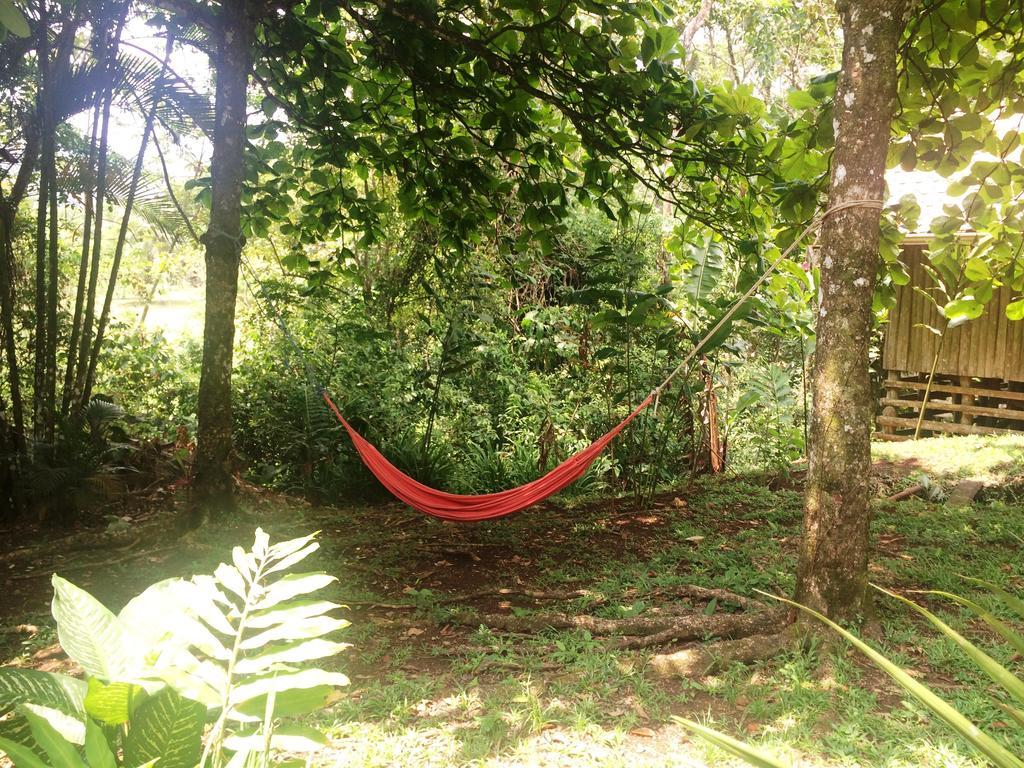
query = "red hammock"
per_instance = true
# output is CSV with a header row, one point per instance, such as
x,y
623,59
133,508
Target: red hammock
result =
x,y
454,506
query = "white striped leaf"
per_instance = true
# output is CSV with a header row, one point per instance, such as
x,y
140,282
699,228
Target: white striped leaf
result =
x,y
90,634
166,726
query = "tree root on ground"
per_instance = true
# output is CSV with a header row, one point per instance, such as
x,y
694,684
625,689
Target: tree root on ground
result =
x,y
696,627
638,632
685,591
705,659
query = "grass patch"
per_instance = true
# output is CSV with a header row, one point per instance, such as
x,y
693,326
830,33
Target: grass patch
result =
x,y
429,693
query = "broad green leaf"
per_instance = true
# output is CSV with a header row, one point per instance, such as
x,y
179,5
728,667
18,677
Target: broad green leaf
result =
x,y
963,309
291,703
97,751
90,634
21,756
13,20
61,752
70,727
977,269
752,755
111,703
277,552
169,727
166,618
1015,310
228,576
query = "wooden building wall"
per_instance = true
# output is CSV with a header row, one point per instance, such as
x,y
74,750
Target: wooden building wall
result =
x,y
990,347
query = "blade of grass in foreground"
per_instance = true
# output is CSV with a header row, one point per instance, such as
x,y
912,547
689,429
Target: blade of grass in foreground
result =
x,y
999,627
999,674
746,752
992,749
1012,601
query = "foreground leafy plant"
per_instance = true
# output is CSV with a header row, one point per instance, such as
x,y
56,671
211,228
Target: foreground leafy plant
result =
x,y
226,648
1011,683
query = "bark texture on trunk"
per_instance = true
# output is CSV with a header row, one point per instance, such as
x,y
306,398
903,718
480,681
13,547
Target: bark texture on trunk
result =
x,y
832,574
223,241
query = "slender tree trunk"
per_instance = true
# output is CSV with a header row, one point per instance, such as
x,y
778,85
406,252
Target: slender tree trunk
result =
x,y
832,574
39,345
83,267
52,298
89,315
9,339
223,240
122,234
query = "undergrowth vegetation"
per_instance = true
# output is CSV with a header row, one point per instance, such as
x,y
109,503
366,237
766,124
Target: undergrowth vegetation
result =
x,y
231,649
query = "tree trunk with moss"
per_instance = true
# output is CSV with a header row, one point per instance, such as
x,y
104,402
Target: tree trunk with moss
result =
x,y
223,241
832,574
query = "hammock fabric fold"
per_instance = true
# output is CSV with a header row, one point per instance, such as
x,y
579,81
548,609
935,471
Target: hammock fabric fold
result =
x,y
454,506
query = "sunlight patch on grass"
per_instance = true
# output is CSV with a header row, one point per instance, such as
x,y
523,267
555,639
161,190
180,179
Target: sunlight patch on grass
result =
x,y
990,458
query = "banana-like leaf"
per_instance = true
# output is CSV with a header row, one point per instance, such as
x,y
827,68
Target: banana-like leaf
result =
x,y
752,755
999,755
999,674
169,727
90,634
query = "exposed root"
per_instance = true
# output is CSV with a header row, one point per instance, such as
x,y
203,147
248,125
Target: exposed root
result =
x,y
540,621
727,625
639,632
533,594
705,659
87,566
708,593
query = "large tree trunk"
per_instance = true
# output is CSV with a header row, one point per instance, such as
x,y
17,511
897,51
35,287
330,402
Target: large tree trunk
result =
x,y
223,240
832,574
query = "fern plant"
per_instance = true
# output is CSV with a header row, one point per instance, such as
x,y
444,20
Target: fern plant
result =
x,y
231,649
1011,684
